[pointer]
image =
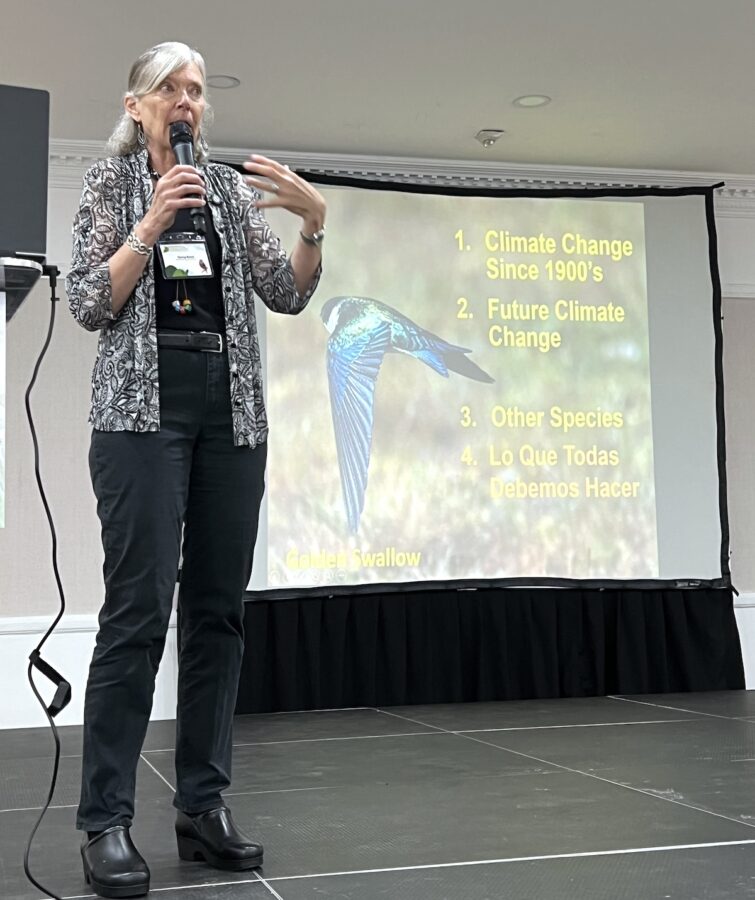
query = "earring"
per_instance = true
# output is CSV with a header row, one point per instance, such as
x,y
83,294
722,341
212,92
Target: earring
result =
x,y
204,146
140,139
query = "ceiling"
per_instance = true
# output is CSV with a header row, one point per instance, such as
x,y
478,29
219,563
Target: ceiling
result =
x,y
648,84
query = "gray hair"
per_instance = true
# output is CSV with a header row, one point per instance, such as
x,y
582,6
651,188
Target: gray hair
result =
x,y
147,73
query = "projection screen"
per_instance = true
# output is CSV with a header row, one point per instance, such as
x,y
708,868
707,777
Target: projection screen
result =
x,y
497,387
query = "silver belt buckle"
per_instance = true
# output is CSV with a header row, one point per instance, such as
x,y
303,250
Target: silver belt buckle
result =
x,y
220,341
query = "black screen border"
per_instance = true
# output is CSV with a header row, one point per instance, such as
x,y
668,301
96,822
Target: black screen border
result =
x,y
471,584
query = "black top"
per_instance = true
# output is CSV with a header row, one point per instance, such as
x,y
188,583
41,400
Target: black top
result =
x,y
206,294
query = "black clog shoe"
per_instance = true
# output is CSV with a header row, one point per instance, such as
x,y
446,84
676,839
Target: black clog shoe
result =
x,y
212,836
113,867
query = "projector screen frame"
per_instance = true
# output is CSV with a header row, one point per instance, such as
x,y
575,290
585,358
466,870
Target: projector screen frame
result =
x,y
472,188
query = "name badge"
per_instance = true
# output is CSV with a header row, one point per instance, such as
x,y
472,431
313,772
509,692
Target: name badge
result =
x,y
184,255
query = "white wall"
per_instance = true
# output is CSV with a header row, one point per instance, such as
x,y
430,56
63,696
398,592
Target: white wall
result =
x,y
736,240
29,598
68,650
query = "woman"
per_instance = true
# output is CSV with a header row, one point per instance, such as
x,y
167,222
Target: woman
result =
x,y
178,447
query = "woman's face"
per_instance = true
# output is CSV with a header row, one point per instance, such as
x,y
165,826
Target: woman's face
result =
x,y
179,98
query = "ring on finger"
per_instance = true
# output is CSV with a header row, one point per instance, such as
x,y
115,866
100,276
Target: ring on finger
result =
x,y
273,187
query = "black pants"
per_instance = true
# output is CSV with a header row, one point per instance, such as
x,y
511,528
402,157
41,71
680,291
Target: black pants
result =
x,y
152,487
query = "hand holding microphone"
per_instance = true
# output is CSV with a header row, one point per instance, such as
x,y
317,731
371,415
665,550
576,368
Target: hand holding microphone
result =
x,y
181,187
182,142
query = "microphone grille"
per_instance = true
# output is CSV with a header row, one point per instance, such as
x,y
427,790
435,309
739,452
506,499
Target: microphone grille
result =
x,y
180,133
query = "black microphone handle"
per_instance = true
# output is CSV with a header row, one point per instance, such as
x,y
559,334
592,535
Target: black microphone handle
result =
x,y
185,157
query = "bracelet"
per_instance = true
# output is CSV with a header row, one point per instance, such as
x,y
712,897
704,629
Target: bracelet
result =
x,y
136,245
314,240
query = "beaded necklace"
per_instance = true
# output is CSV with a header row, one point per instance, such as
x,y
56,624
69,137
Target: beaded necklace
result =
x,y
184,306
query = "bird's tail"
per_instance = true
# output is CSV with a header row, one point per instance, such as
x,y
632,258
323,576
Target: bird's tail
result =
x,y
457,361
449,356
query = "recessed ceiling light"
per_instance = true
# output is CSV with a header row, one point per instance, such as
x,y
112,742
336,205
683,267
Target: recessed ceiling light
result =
x,y
530,101
222,82
488,136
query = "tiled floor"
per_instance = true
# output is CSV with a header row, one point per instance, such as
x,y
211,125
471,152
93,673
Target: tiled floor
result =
x,y
613,797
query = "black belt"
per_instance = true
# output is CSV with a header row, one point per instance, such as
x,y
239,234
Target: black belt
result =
x,y
207,341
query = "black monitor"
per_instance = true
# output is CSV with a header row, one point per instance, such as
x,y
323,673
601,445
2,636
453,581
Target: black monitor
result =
x,y
24,153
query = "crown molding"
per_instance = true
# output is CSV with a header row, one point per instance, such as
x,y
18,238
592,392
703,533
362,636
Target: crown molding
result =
x,y
70,159
738,291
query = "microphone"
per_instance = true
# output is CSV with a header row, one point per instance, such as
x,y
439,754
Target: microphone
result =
x,y
182,142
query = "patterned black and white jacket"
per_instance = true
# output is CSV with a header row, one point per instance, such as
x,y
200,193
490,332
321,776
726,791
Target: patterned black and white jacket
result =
x,y
125,390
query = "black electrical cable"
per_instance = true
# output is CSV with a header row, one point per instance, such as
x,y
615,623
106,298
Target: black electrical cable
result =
x,y
63,688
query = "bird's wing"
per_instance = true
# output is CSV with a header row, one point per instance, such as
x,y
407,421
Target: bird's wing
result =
x,y
354,359
432,350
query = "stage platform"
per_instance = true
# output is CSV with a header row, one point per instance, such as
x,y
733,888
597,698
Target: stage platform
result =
x,y
648,797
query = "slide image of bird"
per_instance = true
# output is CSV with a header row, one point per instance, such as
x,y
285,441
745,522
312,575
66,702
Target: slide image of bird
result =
x,y
362,331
